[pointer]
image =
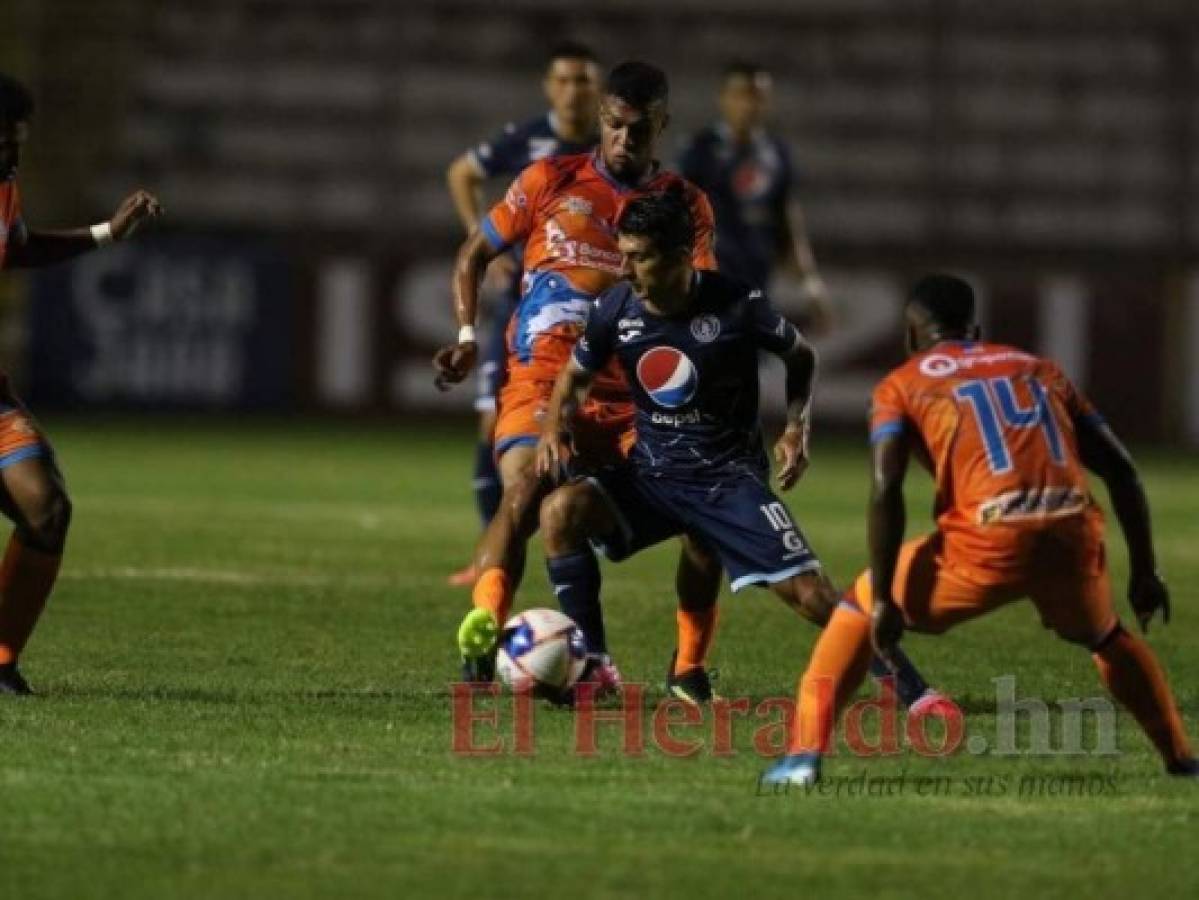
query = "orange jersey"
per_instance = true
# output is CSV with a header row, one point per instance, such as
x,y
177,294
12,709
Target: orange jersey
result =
x,y
10,216
564,210
997,426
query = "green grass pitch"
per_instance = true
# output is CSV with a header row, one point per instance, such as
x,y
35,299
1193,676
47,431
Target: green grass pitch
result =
x,y
243,693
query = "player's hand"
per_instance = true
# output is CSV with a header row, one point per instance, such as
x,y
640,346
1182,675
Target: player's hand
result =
x,y
453,363
138,207
818,307
791,454
1147,593
886,628
554,453
499,274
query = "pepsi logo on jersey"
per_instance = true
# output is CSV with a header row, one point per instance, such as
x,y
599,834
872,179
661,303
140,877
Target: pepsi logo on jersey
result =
x,y
668,376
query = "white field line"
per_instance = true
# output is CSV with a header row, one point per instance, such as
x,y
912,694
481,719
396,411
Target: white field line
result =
x,y
227,577
364,516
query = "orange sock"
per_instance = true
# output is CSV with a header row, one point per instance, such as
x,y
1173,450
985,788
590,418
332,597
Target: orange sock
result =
x,y
26,578
1135,678
493,591
838,665
697,627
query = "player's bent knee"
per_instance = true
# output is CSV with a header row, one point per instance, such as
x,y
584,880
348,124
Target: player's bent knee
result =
x,y
567,513
811,595
699,557
1082,636
47,520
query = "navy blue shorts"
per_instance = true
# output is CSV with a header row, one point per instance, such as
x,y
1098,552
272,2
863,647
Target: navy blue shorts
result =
x,y
739,517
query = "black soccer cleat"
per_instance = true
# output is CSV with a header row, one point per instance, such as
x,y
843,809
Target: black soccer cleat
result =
x,y
478,669
1184,768
12,682
693,686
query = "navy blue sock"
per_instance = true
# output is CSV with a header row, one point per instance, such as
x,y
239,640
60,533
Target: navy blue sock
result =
x,y
486,482
909,684
576,581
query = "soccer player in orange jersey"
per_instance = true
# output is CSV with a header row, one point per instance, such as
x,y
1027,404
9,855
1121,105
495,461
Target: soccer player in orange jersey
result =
x,y
32,492
1007,438
565,210
571,84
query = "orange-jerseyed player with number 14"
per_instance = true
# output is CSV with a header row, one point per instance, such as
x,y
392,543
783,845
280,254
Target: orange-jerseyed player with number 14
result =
x,y
1007,438
32,492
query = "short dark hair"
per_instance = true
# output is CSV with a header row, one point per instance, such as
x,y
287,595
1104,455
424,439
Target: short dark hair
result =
x,y
745,69
638,84
946,299
570,50
16,102
664,218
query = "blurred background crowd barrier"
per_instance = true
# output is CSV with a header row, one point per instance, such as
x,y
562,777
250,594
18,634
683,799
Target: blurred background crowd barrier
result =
x,y
1049,151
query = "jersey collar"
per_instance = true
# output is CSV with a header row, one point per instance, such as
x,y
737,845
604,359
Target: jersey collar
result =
x,y
597,163
756,137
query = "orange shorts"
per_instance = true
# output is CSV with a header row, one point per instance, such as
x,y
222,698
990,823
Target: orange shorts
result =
x,y
603,430
1064,574
20,438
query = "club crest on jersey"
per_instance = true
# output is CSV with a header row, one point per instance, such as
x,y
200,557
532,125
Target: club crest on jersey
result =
x,y
938,365
579,206
705,329
668,376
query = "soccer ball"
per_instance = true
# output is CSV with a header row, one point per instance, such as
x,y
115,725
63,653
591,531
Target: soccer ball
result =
x,y
541,650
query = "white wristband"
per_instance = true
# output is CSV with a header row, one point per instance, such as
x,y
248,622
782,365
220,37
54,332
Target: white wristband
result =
x,y
466,334
102,234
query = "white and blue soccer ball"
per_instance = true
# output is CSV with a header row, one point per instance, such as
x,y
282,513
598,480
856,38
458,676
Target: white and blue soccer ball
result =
x,y
541,648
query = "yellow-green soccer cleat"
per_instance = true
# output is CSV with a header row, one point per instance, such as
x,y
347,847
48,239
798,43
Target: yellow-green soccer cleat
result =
x,y
477,638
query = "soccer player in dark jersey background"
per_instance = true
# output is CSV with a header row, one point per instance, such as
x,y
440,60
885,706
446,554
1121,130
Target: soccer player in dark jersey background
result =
x,y
33,494
571,85
747,173
688,341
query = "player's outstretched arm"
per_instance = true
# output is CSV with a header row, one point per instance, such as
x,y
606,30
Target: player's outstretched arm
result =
x,y
34,248
887,520
453,362
554,446
1104,454
791,449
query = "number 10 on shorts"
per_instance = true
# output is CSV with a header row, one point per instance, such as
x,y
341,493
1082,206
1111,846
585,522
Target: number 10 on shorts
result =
x,y
780,520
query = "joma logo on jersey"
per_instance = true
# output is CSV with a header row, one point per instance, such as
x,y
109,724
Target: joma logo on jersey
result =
x,y
668,376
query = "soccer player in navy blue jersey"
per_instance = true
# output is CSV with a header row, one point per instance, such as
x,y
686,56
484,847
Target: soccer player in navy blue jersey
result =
x,y
747,173
571,86
688,342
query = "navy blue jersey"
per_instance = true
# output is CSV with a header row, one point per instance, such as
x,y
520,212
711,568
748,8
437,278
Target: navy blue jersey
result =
x,y
749,185
693,377
514,148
